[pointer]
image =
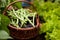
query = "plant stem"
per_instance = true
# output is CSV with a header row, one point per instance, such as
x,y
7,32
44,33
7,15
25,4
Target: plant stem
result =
x,y
30,22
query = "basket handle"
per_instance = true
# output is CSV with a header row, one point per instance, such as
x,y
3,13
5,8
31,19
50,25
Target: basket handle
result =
x,y
37,17
4,12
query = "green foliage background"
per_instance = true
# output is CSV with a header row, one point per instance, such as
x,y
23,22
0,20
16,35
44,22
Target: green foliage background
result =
x,y
50,12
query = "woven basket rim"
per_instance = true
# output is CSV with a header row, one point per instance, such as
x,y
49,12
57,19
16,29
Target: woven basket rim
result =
x,y
29,28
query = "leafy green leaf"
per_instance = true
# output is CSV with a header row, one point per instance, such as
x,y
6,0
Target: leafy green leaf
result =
x,y
4,21
4,35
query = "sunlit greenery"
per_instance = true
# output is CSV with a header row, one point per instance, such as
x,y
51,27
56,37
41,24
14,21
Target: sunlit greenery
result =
x,y
51,14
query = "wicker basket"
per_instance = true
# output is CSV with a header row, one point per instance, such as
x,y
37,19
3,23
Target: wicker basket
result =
x,y
23,33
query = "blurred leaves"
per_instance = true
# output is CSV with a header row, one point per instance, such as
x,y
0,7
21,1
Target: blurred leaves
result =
x,y
3,4
4,32
4,21
4,35
50,12
43,7
52,19
18,4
